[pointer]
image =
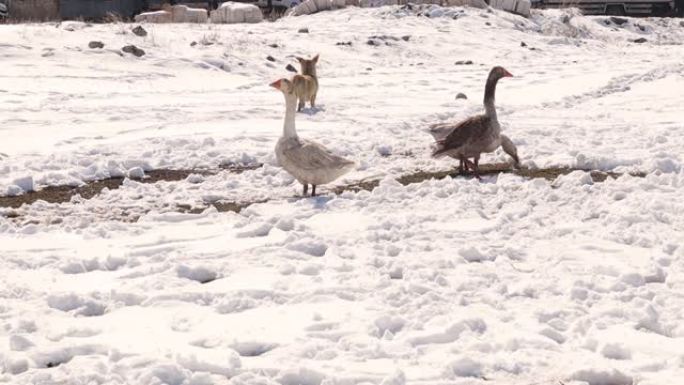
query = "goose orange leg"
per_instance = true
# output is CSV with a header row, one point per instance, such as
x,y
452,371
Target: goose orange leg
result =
x,y
462,166
476,170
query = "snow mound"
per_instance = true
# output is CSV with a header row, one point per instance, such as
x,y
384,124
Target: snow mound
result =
x,y
226,364
199,274
602,377
313,247
76,304
300,376
465,367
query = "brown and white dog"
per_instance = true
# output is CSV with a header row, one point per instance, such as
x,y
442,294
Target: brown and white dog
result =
x,y
306,83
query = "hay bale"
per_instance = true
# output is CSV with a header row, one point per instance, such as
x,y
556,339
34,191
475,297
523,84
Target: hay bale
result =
x,y
154,17
185,14
458,3
231,13
322,5
523,7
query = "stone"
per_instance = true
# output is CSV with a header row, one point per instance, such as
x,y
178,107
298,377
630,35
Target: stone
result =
x,y
139,31
461,95
464,62
95,44
291,68
303,30
270,58
640,40
133,50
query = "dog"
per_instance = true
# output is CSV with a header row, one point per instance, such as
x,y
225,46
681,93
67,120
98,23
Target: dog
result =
x,y
306,83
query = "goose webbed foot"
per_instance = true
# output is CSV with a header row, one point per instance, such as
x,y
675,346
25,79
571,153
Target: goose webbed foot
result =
x,y
516,163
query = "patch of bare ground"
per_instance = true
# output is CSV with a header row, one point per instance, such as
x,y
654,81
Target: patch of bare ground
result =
x,y
60,194
238,168
550,173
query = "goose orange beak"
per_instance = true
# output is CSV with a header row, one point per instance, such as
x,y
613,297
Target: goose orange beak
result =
x,y
275,84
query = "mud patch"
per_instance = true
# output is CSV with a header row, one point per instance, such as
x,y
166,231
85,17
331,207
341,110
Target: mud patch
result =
x,y
550,173
61,194
239,168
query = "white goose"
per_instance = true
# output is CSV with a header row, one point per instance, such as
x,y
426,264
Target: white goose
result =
x,y
309,162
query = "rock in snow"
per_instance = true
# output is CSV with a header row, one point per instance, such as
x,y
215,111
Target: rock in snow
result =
x,y
133,50
139,31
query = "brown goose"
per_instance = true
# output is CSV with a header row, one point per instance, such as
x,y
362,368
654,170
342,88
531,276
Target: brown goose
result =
x,y
477,134
439,131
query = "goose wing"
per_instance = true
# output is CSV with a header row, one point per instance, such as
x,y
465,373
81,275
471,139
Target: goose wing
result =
x,y
439,131
462,133
510,149
313,156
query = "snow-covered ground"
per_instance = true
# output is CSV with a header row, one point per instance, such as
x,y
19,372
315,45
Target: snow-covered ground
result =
x,y
453,281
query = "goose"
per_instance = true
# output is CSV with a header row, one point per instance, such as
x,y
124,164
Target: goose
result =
x,y
309,162
477,134
439,131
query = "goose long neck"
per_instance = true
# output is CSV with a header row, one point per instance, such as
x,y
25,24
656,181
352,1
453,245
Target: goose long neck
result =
x,y
490,90
289,130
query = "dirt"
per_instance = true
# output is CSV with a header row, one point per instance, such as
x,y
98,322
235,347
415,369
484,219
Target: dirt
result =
x,y
550,173
61,194
240,168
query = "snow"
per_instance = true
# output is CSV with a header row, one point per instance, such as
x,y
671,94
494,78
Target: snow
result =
x,y
510,280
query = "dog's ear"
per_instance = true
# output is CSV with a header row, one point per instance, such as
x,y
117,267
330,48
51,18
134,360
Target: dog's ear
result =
x,y
315,59
299,59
